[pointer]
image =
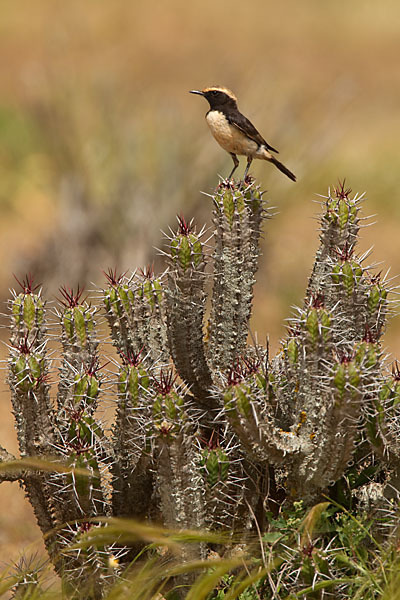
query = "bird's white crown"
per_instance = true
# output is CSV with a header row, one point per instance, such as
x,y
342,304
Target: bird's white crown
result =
x,y
220,88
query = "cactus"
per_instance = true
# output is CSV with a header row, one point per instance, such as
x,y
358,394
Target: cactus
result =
x,y
28,379
203,422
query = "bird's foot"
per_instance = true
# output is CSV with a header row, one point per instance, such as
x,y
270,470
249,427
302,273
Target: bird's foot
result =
x,y
228,183
249,179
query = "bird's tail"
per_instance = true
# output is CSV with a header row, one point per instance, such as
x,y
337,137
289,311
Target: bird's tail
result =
x,y
282,167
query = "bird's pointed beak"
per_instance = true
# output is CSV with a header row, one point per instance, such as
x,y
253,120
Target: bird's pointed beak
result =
x,y
196,92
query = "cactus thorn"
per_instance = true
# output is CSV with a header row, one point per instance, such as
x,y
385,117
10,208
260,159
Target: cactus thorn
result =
x,y
24,346
185,228
369,337
113,277
340,191
71,299
317,300
345,253
27,283
132,358
147,272
213,442
166,381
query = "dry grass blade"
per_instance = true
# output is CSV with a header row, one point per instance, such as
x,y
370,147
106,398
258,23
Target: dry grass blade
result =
x,y
207,583
33,463
310,522
245,583
126,531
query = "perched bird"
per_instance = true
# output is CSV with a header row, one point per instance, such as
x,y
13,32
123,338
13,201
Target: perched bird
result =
x,y
234,132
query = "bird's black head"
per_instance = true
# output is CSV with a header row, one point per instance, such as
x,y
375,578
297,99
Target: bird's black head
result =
x,y
218,97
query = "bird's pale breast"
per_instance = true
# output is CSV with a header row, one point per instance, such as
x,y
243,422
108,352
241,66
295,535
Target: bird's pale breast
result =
x,y
229,137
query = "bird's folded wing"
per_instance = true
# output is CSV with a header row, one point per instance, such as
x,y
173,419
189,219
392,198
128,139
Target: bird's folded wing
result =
x,y
245,126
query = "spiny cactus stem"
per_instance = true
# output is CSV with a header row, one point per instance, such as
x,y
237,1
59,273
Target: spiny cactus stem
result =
x,y
237,216
185,310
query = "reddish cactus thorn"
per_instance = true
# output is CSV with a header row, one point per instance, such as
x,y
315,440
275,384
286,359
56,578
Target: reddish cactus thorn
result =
x,y
79,446
71,299
165,383
233,378
294,331
369,337
235,374
27,284
344,253
308,550
241,369
184,227
24,346
76,415
44,378
346,359
165,428
93,366
147,272
340,191
213,442
132,358
343,358
317,300
85,526
113,277
250,365
376,279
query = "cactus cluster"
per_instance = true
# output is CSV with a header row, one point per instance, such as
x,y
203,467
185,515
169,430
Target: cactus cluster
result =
x,y
204,423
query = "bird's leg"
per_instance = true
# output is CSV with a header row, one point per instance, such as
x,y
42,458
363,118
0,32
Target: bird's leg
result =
x,y
249,161
235,163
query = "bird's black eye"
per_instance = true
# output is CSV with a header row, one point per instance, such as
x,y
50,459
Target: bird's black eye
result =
x,y
214,92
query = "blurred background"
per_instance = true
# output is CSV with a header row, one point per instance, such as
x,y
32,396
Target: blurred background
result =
x,y
101,145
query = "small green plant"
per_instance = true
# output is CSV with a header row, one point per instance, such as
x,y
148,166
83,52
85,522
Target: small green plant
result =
x,y
207,429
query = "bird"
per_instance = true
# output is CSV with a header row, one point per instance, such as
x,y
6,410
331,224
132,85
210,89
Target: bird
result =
x,y
234,132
